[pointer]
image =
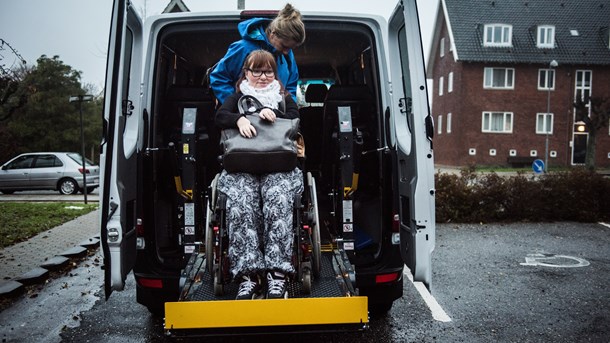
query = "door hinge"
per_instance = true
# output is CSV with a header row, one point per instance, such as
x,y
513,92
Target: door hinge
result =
x,y
405,105
127,106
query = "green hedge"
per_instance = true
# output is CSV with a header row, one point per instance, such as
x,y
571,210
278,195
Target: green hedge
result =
x,y
472,197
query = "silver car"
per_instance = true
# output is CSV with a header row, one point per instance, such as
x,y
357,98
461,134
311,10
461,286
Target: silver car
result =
x,y
62,171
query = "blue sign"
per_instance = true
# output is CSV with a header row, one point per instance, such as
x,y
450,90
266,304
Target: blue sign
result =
x,y
538,166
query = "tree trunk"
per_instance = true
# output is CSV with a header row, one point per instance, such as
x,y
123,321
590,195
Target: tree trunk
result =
x,y
590,156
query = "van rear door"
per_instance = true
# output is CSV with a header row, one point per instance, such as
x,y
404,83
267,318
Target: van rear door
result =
x,y
120,145
412,126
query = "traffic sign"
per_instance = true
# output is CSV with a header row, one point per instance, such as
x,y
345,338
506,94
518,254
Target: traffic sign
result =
x,y
538,166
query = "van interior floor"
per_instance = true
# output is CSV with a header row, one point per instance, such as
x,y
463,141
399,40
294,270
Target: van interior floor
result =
x,y
332,282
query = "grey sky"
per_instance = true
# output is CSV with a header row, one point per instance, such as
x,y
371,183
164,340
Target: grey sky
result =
x,y
77,30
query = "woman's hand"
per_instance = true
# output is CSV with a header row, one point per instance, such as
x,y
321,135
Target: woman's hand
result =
x,y
267,114
246,129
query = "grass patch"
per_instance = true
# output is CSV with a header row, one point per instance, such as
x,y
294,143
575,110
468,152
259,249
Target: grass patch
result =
x,y
20,220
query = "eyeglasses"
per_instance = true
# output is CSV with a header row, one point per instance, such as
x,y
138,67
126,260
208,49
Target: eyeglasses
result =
x,y
259,73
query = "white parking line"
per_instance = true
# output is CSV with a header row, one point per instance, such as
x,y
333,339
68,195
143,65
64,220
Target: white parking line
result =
x,y
604,224
437,311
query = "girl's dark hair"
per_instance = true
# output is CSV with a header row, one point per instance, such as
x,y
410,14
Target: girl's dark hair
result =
x,y
259,59
288,25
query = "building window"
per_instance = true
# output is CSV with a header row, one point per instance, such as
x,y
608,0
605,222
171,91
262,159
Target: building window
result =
x,y
442,47
498,35
449,122
582,86
450,83
546,36
441,85
546,79
544,123
503,78
439,124
498,122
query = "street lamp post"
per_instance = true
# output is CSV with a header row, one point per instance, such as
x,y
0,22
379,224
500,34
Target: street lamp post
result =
x,y
552,65
80,99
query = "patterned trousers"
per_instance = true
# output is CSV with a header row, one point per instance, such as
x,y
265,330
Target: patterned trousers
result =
x,y
259,220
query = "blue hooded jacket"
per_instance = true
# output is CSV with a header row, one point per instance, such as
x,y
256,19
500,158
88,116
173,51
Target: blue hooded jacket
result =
x,y
229,68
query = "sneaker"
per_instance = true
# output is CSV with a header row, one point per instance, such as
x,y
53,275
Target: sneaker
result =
x,y
276,285
249,288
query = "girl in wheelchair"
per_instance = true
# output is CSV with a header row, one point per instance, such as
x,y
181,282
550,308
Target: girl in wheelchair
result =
x,y
259,206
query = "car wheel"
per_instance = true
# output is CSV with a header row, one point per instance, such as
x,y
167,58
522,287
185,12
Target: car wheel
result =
x,y
89,190
68,186
6,192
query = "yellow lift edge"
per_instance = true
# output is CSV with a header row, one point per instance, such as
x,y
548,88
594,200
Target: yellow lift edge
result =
x,y
263,312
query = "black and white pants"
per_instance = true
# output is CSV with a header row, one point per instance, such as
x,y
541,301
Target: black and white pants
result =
x,y
259,220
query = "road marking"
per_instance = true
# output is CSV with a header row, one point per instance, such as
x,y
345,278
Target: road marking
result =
x,y
437,311
604,224
554,261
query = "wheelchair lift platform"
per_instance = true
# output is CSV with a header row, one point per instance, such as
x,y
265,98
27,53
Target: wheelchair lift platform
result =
x,y
331,305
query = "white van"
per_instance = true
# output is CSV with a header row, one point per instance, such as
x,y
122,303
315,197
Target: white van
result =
x,y
156,173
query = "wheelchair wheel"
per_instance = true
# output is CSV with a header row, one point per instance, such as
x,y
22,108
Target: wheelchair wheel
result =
x,y
315,239
209,227
219,288
306,284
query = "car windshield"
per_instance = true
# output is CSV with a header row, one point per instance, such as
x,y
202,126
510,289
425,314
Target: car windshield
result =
x,y
78,159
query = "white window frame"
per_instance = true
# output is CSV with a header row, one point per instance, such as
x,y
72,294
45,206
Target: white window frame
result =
x,y
546,121
488,78
450,82
543,79
439,124
582,88
490,35
507,122
546,37
448,129
442,47
441,85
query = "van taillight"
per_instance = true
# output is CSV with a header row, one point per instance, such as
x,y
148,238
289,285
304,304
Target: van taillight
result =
x,y
396,223
150,283
80,170
385,278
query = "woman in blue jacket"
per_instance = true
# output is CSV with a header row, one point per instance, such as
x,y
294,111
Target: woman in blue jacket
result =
x,y
278,36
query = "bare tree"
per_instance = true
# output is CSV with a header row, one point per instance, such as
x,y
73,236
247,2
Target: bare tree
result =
x,y
595,113
12,95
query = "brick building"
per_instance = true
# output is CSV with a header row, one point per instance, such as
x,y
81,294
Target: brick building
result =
x,y
506,73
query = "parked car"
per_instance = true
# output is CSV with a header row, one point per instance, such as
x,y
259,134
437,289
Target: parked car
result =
x,y
62,171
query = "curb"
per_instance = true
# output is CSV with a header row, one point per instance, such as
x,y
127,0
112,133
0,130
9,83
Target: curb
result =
x,y
16,286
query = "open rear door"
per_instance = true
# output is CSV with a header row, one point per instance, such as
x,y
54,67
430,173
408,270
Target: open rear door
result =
x,y
120,145
413,129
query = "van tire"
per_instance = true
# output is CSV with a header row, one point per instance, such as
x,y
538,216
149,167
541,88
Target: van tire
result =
x,y
157,311
380,310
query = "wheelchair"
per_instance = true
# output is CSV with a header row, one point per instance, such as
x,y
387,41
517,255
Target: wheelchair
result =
x,y
306,244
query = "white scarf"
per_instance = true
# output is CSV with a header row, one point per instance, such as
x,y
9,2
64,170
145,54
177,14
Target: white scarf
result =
x,y
268,96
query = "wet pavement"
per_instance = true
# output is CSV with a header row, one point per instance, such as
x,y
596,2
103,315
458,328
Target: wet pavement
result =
x,y
30,262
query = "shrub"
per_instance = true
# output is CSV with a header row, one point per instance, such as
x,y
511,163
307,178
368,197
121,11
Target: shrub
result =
x,y
575,195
